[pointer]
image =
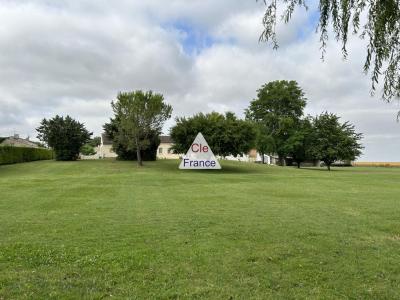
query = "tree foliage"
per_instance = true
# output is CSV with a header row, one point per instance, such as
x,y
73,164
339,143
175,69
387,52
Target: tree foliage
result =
x,y
299,145
121,145
139,116
64,135
381,29
95,142
87,149
225,134
264,142
277,110
333,141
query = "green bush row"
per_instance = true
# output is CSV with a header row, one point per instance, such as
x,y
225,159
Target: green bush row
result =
x,y
12,155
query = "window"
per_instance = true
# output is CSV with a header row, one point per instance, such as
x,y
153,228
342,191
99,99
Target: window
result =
x,y
160,150
169,151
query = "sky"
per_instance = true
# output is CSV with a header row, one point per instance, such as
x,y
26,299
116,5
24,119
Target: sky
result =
x,y
73,57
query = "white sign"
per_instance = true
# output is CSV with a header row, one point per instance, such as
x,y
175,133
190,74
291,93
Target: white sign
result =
x,y
199,156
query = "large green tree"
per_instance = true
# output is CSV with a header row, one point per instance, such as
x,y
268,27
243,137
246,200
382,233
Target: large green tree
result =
x,y
225,134
139,116
334,140
376,21
278,109
65,136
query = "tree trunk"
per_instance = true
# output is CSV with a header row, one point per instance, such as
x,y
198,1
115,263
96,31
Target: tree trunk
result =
x,y
139,155
329,167
298,165
263,159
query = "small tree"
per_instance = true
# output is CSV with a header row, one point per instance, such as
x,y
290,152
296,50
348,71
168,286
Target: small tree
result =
x,y
138,116
335,141
87,149
299,144
225,134
121,145
65,135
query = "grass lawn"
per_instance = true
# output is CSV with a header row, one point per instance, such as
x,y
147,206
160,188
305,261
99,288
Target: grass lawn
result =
x,y
102,229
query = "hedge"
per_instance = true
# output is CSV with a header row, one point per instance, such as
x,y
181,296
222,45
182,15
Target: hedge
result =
x,y
12,155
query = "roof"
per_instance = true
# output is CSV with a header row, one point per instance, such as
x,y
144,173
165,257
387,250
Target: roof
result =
x,y
105,139
18,142
166,139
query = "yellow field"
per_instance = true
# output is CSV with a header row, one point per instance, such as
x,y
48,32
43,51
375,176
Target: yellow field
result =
x,y
376,164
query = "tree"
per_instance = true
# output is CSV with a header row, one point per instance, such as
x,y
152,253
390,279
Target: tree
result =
x,y
87,149
95,142
225,134
121,145
299,144
278,108
334,141
264,142
381,28
65,135
138,116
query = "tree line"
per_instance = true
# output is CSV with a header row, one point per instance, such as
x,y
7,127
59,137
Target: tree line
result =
x,y
274,123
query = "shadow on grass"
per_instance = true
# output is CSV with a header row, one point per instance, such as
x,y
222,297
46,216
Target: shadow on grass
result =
x,y
333,169
227,168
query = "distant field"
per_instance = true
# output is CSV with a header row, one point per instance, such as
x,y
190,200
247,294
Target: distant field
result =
x,y
376,164
106,229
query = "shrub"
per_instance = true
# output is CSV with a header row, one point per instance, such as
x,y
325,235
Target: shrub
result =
x,y
12,155
87,150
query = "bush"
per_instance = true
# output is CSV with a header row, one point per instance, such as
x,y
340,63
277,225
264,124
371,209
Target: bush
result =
x,y
88,150
12,155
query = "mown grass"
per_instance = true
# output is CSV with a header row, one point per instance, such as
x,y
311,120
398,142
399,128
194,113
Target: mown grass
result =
x,y
106,229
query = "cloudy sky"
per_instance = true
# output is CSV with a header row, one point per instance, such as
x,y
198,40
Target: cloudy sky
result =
x,y
73,57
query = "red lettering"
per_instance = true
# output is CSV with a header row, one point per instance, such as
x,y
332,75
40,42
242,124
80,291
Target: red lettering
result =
x,y
199,148
193,149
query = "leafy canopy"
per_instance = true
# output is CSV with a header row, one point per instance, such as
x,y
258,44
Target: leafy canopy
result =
x,y
120,144
87,149
65,135
138,117
335,141
299,146
381,29
277,111
225,134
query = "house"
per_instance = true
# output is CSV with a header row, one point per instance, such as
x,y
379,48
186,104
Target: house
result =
x,y
16,141
254,156
105,148
164,150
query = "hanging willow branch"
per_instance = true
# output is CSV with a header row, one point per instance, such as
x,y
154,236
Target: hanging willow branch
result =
x,y
381,30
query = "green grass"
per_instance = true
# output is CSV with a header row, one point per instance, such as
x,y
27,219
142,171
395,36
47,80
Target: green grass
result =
x,y
106,229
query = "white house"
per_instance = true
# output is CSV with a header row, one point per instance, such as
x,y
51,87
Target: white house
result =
x,y
105,149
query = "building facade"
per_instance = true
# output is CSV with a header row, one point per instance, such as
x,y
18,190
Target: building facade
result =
x,y
164,150
105,149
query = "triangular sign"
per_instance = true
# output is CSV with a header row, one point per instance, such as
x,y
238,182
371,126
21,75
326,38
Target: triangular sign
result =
x,y
199,156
